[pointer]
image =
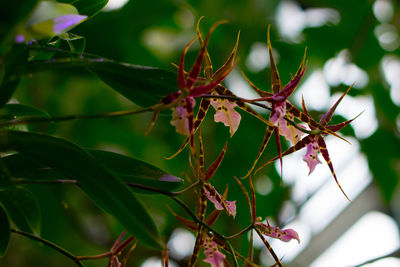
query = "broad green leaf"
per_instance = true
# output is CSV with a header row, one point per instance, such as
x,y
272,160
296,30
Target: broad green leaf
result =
x,y
106,190
12,111
142,85
125,168
87,7
4,231
136,171
22,207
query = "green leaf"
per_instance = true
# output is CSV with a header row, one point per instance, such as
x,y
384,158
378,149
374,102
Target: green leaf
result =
x,y
125,168
383,167
87,7
142,85
22,207
107,191
136,171
12,111
7,89
4,231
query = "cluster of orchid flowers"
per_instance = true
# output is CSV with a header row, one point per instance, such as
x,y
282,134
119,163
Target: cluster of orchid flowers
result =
x,y
204,84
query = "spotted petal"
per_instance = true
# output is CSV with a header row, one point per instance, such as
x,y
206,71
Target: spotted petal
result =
x,y
213,256
275,232
311,156
226,114
181,116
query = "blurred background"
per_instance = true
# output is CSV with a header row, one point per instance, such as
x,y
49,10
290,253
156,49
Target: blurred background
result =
x,y
349,42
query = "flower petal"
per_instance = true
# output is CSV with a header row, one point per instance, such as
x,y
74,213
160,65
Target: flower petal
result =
x,y
213,256
275,232
180,116
291,133
226,114
311,156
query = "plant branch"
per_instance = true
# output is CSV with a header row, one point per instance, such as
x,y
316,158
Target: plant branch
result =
x,y
76,117
49,244
245,230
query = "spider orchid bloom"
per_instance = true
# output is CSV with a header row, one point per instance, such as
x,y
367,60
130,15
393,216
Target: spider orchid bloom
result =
x,y
315,143
190,86
284,235
220,202
279,105
214,257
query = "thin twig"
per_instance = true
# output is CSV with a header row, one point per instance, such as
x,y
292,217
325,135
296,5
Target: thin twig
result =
x,y
49,244
245,230
76,117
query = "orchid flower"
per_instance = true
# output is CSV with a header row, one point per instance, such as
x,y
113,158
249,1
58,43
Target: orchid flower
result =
x,y
191,86
225,110
283,110
316,143
278,100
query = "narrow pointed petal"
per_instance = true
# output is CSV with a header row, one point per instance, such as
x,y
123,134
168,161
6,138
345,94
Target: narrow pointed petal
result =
x,y
302,143
208,68
339,126
310,121
259,91
194,73
290,87
325,154
328,116
153,121
229,62
188,223
214,166
264,143
275,80
206,88
278,144
212,217
181,69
